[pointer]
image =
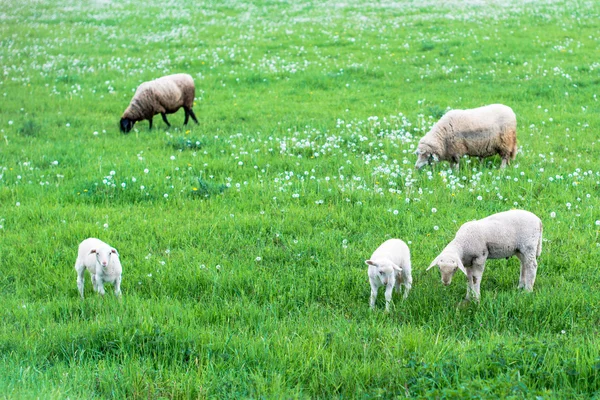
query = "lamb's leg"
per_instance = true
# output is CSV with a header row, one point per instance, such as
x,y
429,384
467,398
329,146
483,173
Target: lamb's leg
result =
x,y
192,115
164,117
373,295
100,285
474,275
118,286
388,295
528,270
80,278
407,282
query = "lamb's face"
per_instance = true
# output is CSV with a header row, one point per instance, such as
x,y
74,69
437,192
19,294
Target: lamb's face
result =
x,y
103,255
126,125
383,270
447,269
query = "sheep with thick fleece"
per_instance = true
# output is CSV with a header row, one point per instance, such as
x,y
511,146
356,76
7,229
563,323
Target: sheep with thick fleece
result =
x,y
102,261
501,235
481,132
161,96
389,266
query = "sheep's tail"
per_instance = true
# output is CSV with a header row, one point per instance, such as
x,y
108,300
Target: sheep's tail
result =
x,y
539,247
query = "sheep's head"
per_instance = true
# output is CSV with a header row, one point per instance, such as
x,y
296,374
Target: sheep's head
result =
x,y
425,157
103,255
448,264
385,270
126,125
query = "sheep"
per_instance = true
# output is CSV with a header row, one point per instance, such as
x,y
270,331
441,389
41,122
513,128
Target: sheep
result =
x,y
102,261
501,235
389,266
161,96
482,132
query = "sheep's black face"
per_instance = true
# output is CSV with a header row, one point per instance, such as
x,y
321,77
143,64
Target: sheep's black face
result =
x,y
126,125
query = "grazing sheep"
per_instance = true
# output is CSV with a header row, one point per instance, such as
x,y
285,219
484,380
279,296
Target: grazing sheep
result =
x,y
389,266
161,96
103,263
502,235
481,132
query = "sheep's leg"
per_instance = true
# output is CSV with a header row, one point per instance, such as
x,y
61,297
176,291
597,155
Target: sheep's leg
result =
x,y
100,286
118,286
187,116
407,281
388,295
455,163
474,275
192,115
80,278
504,162
528,271
150,123
164,117
373,295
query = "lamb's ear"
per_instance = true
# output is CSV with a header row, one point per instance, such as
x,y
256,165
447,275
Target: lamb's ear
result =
x,y
397,268
92,251
461,266
433,264
114,251
369,262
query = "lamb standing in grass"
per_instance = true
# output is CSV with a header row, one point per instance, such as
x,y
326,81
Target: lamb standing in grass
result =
x,y
161,96
103,263
481,132
502,235
389,266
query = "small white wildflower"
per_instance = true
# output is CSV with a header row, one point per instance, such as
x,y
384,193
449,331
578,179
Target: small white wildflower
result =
x,y
18,204
552,214
434,210
166,195
435,228
479,198
105,226
395,212
146,170
257,259
598,222
172,158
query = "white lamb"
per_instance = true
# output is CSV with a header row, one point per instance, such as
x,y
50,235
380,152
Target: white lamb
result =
x,y
501,235
102,261
389,266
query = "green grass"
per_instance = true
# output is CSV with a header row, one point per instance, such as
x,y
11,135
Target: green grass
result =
x,y
243,238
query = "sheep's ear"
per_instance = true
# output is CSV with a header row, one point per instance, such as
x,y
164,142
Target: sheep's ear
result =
x,y
369,262
433,264
461,266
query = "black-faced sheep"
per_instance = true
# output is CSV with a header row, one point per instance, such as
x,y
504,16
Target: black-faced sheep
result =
x,y
481,132
161,96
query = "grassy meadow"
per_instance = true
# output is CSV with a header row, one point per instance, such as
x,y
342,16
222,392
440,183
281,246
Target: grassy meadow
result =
x,y
243,238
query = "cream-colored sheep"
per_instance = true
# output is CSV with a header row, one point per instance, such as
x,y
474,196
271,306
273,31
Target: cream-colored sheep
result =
x,y
501,235
161,96
389,266
481,132
102,261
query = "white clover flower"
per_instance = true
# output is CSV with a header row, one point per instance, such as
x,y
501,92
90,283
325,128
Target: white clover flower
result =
x,y
172,158
112,173
257,259
434,210
552,214
395,212
479,198
146,170
598,222
166,195
435,228
18,204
